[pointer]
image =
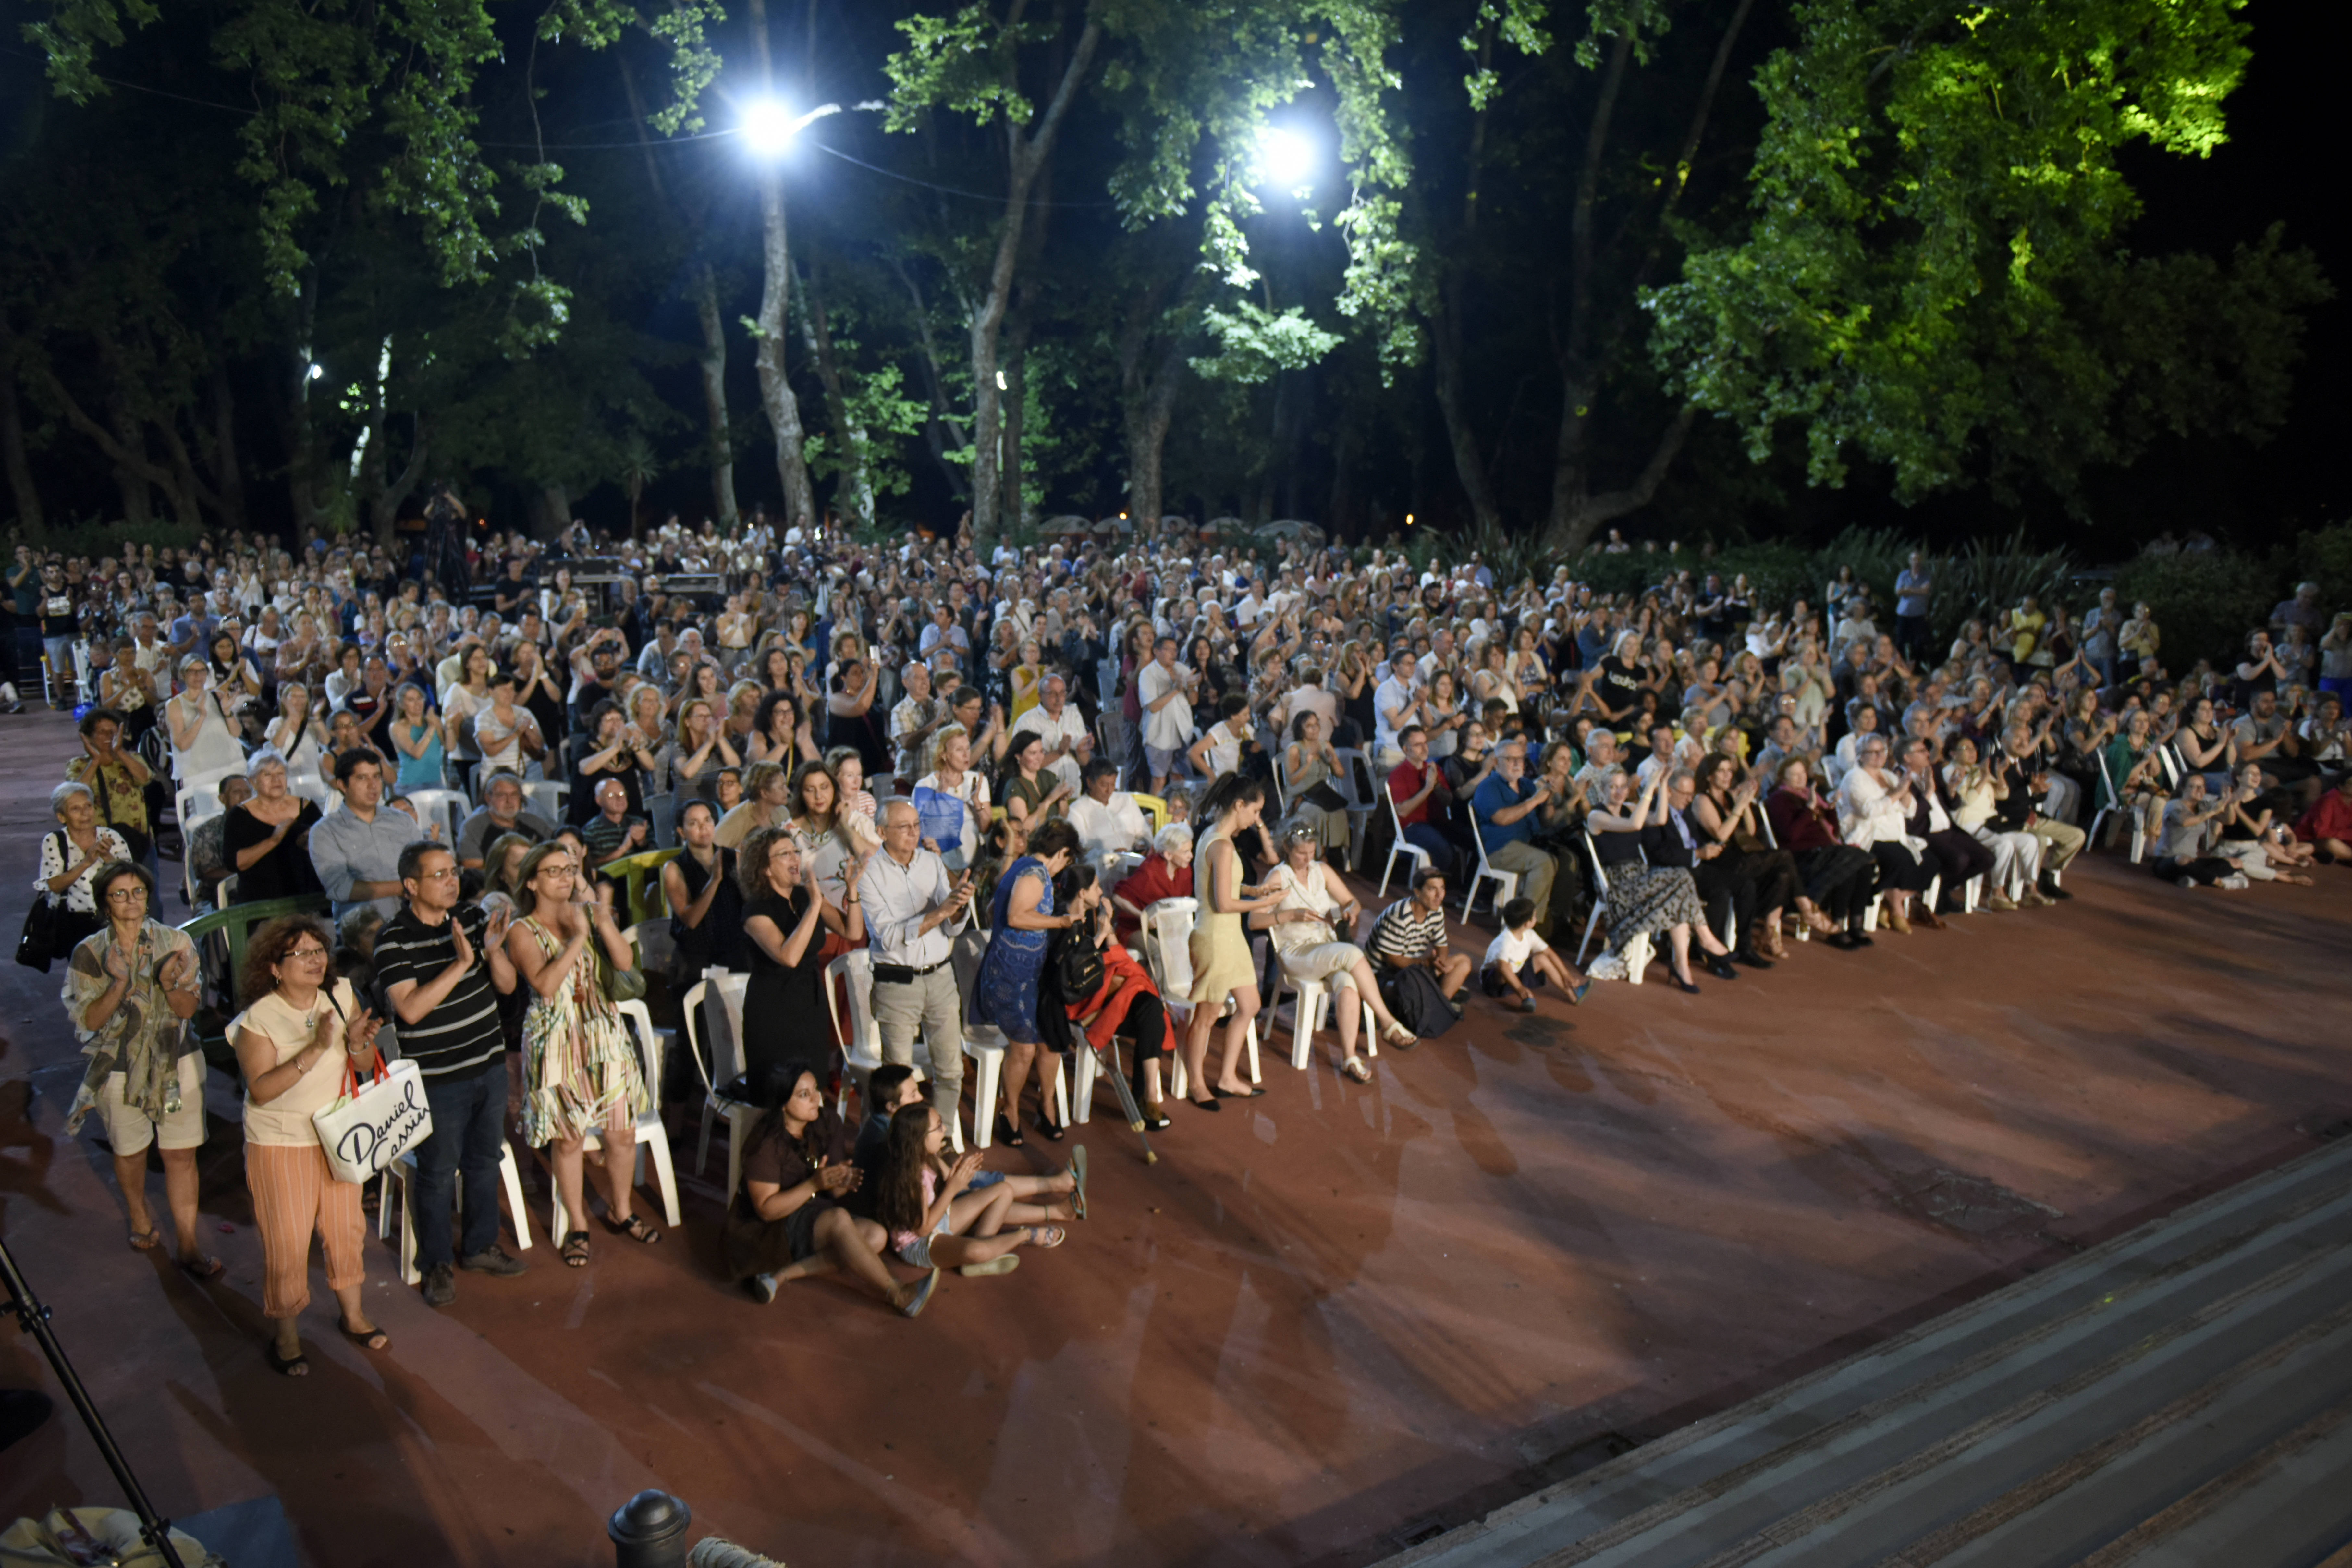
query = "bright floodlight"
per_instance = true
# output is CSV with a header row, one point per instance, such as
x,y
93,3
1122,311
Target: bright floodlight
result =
x,y
1285,158
769,126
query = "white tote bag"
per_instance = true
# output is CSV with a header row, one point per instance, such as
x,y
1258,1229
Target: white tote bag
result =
x,y
371,1124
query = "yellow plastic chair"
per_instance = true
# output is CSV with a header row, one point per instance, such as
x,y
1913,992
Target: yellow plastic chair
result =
x,y
641,889
1153,807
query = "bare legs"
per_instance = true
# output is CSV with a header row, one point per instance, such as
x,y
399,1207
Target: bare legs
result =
x,y
1196,1043
1018,1056
179,1192
618,1164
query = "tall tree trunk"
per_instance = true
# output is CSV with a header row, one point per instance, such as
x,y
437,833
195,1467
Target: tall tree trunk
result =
x,y
12,454
775,389
554,511
1026,151
852,493
228,472
384,511
942,431
1586,354
1017,408
128,481
1446,332
712,363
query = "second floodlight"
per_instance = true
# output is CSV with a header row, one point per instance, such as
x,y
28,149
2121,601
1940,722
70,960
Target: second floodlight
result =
x,y
769,124
1285,158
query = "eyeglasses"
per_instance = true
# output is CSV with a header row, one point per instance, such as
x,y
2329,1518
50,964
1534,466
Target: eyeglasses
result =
x,y
305,952
127,896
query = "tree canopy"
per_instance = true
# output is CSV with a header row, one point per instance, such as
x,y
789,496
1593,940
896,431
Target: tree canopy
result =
x,y
1532,266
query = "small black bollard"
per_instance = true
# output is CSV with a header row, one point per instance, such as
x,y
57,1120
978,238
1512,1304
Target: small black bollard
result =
x,y
650,1530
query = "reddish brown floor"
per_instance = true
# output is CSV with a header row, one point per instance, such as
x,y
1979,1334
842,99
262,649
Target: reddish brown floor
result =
x,y
1318,1325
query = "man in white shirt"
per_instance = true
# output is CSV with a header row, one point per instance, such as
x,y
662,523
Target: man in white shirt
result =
x,y
912,914
1109,821
1166,694
1068,743
1394,706
1660,757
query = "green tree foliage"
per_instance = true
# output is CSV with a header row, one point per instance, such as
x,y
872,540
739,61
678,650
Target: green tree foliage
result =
x,y
1934,279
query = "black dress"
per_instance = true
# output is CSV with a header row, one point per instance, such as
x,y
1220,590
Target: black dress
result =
x,y
784,1016
286,871
719,940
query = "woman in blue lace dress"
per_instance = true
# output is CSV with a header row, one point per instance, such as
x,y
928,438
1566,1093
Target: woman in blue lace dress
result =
x,y
1021,923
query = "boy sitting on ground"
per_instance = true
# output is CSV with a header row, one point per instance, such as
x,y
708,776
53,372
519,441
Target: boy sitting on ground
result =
x,y
1519,959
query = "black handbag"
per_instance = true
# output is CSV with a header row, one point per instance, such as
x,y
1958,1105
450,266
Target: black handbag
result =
x,y
39,946
1077,962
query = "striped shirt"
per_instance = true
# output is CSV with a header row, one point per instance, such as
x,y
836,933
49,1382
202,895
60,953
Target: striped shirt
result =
x,y
1408,933
461,1037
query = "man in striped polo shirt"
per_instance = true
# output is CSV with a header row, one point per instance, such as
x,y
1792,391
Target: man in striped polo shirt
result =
x,y
438,965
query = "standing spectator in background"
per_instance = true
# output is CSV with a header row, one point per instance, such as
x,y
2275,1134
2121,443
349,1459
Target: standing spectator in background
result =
x,y
60,623
1914,588
442,969
131,988
118,779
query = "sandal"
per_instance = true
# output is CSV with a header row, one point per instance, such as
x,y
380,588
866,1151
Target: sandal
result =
x,y
368,1339
1047,1236
202,1267
1007,1134
1354,1068
295,1365
1053,1132
635,1228
145,1240
1078,1176
1398,1035
574,1250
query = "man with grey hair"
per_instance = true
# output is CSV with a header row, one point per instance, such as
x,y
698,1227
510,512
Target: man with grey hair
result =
x,y
913,912
501,812
1505,810
912,722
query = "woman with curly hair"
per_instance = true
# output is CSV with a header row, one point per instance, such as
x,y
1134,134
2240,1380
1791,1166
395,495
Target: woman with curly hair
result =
x,y
955,1216
301,1035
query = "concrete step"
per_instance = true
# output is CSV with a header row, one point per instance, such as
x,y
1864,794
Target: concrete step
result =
x,y
1963,1427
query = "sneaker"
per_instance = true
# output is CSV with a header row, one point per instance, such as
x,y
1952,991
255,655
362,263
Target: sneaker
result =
x,y
440,1284
2000,903
2188,882
1005,1265
2235,882
494,1259
761,1288
2035,900
922,1296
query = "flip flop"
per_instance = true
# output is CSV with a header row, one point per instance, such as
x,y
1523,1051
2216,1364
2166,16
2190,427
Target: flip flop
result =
x,y
370,1339
202,1267
1038,1234
145,1240
1079,1174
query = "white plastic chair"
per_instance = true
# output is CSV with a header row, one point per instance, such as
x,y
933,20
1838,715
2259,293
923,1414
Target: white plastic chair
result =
x,y
861,1050
445,806
403,1172
985,1045
652,1136
1399,844
1599,896
718,1065
1311,1000
1507,883
548,800
1167,954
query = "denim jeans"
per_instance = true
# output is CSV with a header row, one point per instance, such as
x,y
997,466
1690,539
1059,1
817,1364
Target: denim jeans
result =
x,y
469,1135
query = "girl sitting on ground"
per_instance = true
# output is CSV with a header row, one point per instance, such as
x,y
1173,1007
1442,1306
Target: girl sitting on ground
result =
x,y
953,1216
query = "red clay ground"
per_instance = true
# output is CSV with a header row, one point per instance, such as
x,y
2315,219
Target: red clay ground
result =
x,y
1321,1324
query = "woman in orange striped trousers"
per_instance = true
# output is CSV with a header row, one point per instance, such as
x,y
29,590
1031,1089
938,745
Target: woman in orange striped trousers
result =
x,y
301,1030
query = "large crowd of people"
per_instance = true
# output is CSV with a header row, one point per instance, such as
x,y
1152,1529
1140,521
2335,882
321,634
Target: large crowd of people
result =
x,y
1113,796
